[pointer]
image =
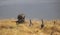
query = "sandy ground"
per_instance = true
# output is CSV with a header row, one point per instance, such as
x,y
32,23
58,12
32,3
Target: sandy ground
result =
x,y
9,27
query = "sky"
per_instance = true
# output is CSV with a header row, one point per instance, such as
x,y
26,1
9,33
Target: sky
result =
x,y
46,9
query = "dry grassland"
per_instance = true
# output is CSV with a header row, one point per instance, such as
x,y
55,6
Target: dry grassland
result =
x,y
9,27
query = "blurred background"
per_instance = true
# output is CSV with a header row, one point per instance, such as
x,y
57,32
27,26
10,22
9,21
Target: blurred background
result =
x,y
46,9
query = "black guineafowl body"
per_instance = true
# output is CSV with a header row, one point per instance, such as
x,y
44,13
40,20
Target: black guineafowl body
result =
x,y
21,18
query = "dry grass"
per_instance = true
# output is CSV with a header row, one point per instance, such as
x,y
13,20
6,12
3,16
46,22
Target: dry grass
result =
x,y
9,27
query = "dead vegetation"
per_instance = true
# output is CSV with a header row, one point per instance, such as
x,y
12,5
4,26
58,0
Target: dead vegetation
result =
x,y
9,27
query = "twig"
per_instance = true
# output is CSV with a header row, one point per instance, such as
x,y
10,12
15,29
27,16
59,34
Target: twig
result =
x,y
53,28
30,23
42,25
